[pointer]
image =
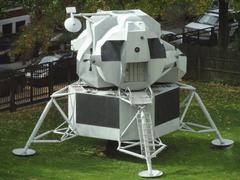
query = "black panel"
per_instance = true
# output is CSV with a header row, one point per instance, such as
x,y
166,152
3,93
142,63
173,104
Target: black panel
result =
x,y
156,49
111,51
97,110
166,106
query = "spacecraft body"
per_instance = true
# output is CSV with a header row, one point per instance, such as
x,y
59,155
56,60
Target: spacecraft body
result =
x,y
124,49
102,114
120,57
127,89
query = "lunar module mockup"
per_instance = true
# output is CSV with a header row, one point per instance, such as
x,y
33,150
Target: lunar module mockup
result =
x,y
128,88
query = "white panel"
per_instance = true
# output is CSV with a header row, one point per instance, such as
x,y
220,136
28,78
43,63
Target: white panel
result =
x,y
134,41
167,127
127,112
72,107
97,132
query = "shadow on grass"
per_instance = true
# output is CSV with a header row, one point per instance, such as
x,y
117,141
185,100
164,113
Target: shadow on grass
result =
x,y
184,147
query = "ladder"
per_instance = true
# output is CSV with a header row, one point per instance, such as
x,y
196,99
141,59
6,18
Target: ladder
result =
x,y
146,133
150,146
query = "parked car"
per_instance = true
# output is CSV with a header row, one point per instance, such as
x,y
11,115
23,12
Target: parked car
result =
x,y
61,66
171,37
11,79
206,22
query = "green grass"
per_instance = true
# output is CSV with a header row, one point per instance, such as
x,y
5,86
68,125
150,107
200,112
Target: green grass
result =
x,y
188,156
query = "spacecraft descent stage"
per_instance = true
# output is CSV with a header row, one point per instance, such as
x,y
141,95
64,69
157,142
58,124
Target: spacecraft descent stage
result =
x,y
128,88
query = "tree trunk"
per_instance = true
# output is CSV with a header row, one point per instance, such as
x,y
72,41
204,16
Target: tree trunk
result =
x,y
223,24
121,2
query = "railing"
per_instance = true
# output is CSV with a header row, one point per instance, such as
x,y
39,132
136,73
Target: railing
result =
x,y
35,83
207,36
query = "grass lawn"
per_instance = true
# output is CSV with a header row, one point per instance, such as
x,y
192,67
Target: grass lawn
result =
x,y
188,156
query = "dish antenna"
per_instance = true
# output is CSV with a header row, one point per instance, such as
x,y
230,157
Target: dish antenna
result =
x,y
72,24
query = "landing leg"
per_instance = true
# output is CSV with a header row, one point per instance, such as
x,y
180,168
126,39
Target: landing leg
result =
x,y
26,151
219,141
147,141
150,172
187,126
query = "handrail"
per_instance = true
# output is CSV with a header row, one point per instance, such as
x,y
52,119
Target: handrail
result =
x,y
198,32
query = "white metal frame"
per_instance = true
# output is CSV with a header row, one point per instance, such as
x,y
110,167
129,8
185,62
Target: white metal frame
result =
x,y
67,130
189,126
156,144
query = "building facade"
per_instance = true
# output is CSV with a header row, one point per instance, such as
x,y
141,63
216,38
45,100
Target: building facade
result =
x,y
13,20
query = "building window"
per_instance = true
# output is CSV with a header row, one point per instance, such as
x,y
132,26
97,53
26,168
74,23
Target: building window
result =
x,y
19,24
7,29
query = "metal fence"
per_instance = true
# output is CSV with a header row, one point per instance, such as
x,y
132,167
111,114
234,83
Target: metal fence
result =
x,y
212,64
207,36
35,83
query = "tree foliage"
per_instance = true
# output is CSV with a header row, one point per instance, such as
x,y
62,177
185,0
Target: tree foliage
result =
x,y
48,16
4,5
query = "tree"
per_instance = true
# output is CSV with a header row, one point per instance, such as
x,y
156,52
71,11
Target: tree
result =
x,y
48,17
4,5
223,24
